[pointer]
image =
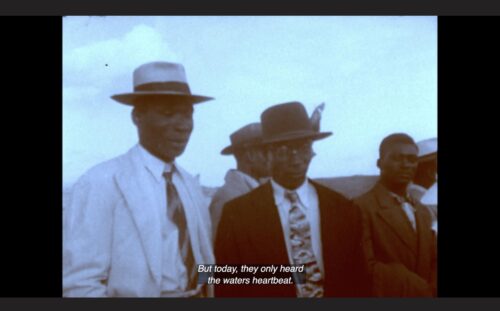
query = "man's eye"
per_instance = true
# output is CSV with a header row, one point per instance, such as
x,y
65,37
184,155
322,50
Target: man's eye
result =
x,y
396,158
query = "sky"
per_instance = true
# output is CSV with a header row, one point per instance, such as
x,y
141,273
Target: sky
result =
x,y
376,76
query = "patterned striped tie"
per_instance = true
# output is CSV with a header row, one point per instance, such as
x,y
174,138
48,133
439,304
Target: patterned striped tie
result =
x,y
175,212
302,252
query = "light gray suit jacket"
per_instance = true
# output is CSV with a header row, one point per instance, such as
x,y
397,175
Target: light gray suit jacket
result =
x,y
112,243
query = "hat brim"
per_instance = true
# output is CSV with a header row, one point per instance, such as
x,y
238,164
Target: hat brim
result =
x,y
232,148
131,98
296,136
228,150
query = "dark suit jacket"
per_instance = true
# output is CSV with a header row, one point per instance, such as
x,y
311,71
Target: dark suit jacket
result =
x,y
250,232
402,261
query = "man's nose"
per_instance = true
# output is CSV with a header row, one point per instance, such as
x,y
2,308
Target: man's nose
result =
x,y
293,153
295,157
407,163
184,123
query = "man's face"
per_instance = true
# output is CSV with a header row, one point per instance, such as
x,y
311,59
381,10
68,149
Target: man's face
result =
x,y
258,160
290,161
399,163
164,128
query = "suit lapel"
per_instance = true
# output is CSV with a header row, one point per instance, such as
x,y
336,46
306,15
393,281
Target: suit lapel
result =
x,y
132,181
394,217
199,233
269,238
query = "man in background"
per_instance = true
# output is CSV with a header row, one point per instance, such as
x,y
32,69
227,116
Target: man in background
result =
x,y
424,186
251,168
399,243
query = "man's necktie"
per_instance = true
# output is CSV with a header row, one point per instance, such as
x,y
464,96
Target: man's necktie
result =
x,y
410,213
302,251
407,205
175,212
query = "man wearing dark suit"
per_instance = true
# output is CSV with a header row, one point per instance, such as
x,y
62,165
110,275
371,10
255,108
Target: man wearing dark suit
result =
x,y
293,220
399,243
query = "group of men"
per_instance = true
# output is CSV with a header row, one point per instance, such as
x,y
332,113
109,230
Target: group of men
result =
x,y
139,224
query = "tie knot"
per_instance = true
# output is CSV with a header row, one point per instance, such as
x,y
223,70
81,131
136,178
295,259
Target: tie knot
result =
x,y
292,196
168,176
404,199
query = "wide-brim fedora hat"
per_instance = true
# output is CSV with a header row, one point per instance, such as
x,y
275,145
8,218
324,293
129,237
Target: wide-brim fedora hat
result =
x,y
160,79
249,135
288,121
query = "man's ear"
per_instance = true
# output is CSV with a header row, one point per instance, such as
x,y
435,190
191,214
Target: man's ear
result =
x,y
378,163
135,116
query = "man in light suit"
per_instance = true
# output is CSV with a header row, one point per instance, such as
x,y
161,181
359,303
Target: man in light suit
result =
x,y
424,186
426,172
292,220
138,224
252,168
399,243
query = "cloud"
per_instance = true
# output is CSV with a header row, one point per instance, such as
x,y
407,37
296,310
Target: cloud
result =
x,y
101,63
92,72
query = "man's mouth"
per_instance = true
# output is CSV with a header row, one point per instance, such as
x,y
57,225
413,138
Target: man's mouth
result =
x,y
179,140
296,174
178,143
405,175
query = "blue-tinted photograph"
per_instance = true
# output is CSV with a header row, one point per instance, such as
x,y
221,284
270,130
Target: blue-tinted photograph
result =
x,y
272,142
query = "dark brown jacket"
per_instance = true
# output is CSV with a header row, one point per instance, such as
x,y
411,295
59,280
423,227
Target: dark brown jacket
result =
x,y
250,232
402,261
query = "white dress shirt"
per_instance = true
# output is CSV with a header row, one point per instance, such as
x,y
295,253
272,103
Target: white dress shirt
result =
x,y
309,205
174,275
430,199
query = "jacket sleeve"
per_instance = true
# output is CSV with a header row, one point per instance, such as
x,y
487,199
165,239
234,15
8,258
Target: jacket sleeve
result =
x,y
87,241
364,282
215,210
390,279
434,265
226,250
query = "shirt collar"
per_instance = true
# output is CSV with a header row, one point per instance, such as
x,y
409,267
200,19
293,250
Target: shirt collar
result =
x,y
302,192
155,165
402,199
399,199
